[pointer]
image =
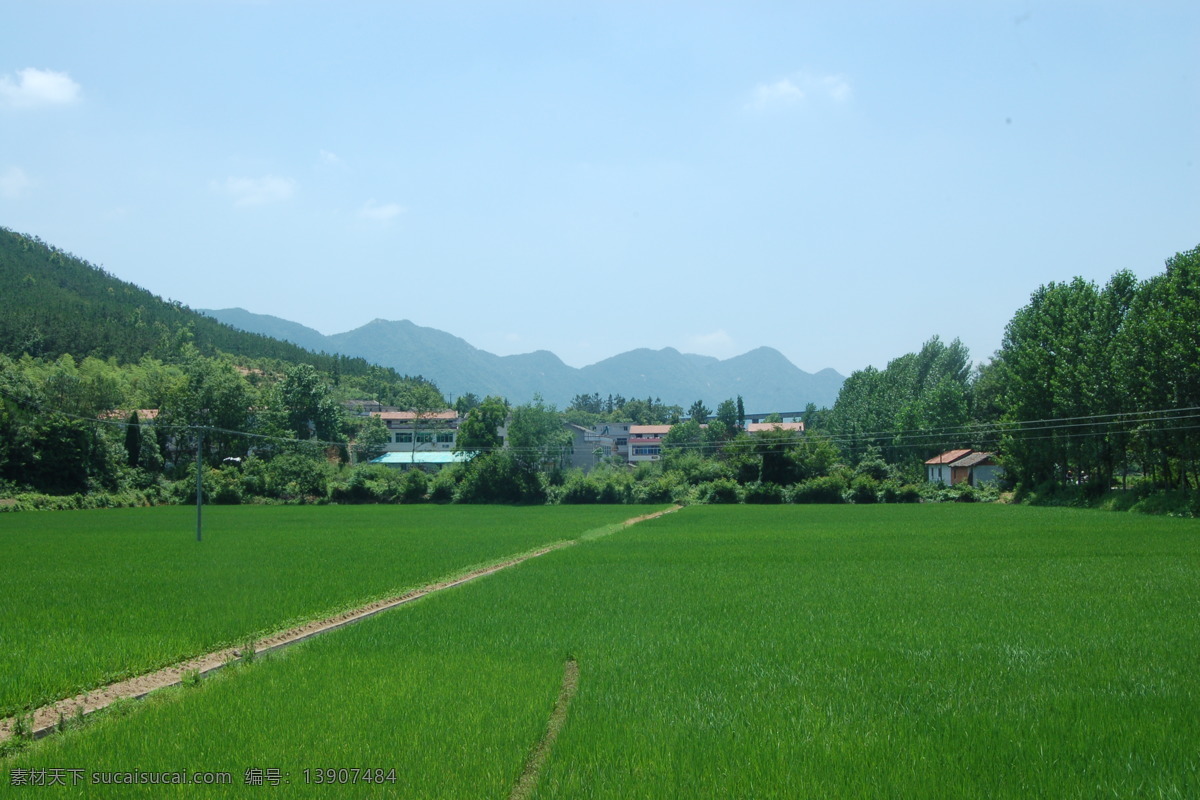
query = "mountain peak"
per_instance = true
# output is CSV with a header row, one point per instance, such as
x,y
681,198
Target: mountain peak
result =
x,y
763,376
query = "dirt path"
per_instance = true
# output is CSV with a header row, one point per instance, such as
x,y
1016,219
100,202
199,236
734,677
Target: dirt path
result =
x,y
46,718
541,753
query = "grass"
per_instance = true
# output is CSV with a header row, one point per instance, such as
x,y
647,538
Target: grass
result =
x,y
904,651
93,596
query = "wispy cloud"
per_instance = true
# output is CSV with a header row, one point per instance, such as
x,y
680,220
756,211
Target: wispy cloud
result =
x,y
718,343
798,88
330,159
381,212
256,191
13,183
38,87
780,93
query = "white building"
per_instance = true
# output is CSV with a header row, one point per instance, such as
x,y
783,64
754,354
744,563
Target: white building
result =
x,y
429,431
963,466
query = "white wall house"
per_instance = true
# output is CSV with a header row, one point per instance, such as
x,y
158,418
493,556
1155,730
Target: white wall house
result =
x,y
645,442
963,466
428,431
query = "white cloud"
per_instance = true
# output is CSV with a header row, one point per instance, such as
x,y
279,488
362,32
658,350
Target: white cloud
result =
x,y
796,89
780,93
381,212
718,343
38,87
837,87
332,159
13,183
257,191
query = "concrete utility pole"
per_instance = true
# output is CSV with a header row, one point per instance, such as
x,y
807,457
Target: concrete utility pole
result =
x,y
199,480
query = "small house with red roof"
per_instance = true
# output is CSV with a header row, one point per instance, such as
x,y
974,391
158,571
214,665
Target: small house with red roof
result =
x,y
963,466
645,442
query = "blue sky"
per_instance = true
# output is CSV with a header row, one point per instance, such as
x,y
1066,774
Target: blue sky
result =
x,y
838,181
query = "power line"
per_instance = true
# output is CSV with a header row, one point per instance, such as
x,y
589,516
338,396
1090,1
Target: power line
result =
x,y
1081,426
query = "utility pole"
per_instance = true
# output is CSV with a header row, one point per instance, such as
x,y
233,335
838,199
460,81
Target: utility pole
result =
x,y
199,480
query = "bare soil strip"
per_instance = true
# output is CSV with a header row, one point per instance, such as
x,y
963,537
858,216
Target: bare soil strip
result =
x,y
541,754
46,718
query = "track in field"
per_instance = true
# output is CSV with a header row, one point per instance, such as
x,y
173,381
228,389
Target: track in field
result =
x,y
46,719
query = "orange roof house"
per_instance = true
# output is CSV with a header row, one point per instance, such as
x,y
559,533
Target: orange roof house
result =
x,y
963,466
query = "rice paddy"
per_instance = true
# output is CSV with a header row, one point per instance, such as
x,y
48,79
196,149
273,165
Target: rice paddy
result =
x,y
93,596
858,651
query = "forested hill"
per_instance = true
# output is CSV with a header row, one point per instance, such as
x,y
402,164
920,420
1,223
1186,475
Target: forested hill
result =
x,y
55,303
765,378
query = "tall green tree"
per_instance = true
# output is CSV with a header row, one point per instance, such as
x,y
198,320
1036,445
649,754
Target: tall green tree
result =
x,y
1158,353
727,415
536,435
916,407
307,404
1046,362
214,395
480,431
465,403
371,438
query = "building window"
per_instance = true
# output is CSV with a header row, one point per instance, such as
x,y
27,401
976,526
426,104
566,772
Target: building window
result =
x,y
445,438
647,451
403,438
622,442
424,438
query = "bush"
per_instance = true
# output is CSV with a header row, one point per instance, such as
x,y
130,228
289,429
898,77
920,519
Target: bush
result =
x,y
33,501
183,491
720,491
872,466
375,483
227,486
361,486
908,493
764,493
863,490
444,485
578,490
653,490
695,469
612,492
295,476
819,490
414,486
683,494
1177,503
500,478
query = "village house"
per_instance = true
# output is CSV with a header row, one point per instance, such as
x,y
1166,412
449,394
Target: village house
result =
x,y
963,466
755,427
645,442
423,440
427,440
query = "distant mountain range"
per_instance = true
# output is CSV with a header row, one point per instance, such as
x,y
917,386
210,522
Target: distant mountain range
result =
x,y
764,378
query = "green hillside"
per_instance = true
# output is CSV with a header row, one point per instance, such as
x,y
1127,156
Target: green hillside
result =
x,y
55,303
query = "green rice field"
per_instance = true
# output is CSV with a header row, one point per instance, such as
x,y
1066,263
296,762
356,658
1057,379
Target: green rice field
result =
x,y
731,651
93,596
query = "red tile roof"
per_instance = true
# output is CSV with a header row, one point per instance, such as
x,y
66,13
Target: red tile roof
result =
x,y
949,457
974,459
753,427
409,416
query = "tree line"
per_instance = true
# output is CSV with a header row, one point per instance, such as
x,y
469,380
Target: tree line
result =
x,y
1092,388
